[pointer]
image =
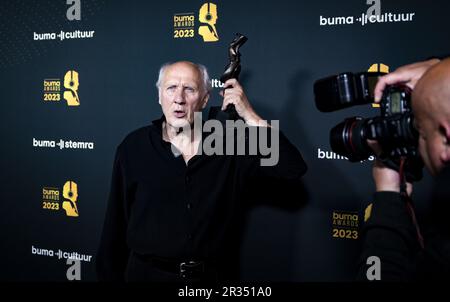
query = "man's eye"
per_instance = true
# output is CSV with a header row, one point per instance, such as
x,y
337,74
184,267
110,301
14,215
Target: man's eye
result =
x,y
171,88
190,89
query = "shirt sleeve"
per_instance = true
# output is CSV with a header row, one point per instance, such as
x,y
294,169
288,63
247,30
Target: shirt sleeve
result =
x,y
390,235
282,161
274,177
435,259
112,255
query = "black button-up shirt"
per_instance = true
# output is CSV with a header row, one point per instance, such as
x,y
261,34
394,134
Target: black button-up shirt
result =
x,y
161,206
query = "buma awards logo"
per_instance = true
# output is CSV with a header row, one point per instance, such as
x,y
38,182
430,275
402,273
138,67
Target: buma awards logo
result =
x,y
51,198
345,225
208,17
184,23
69,92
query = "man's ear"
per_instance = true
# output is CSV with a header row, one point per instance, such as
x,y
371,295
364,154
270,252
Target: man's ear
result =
x,y
205,100
444,129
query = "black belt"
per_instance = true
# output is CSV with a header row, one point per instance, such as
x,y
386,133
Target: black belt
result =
x,y
188,269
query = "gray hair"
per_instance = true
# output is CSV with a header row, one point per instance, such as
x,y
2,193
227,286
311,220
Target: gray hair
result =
x,y
206,82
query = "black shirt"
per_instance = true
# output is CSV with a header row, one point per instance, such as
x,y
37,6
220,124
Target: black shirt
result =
x,y
391,235
162,207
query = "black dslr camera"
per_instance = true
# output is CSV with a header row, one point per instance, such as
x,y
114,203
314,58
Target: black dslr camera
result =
x,y
393,129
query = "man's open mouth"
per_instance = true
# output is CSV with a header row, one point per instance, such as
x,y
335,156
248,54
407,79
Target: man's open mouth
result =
x,y
179,113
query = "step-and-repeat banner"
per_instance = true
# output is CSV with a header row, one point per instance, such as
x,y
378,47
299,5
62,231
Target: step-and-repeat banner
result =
x,y
77,76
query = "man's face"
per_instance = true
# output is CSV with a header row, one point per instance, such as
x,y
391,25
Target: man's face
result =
x,y
181,94
433,146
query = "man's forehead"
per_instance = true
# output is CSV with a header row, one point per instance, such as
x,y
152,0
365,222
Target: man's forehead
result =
x,y
182,71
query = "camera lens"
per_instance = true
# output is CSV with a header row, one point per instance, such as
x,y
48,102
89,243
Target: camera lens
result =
x,y
409,132
349,139
393,132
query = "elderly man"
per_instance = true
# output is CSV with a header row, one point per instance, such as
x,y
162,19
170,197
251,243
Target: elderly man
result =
x,y
175,216
392,232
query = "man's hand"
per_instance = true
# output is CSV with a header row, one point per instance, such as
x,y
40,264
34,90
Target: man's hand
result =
x,y
234,94
408,75
386,179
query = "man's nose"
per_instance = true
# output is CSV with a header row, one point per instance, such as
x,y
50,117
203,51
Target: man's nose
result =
x,y
179,96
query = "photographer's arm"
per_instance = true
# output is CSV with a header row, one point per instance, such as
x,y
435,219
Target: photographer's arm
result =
x,y
389,232
390,235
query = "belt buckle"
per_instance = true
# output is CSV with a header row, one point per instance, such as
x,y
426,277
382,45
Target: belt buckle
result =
x,y
189,268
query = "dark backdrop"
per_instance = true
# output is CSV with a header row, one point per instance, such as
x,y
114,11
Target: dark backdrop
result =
x,y
288,49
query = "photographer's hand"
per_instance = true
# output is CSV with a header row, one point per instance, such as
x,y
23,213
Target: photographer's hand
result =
x,y
408,74
385,178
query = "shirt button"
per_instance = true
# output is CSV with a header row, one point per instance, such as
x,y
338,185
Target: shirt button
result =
x,y
188,179
189,205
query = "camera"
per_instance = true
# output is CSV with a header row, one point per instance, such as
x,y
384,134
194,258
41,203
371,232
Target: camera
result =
x,y
345,90
393,129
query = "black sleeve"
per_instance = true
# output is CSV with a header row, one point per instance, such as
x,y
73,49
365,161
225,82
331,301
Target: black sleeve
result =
x,y
286,164
277,182
435,260
389,234
112,255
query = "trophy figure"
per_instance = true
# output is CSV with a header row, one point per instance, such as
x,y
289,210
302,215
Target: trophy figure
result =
x,y
232,71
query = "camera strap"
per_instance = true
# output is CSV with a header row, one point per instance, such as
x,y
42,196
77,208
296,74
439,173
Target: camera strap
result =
x,y
409,203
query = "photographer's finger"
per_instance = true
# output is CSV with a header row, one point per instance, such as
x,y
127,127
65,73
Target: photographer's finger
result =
x,y
389,79
378,92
